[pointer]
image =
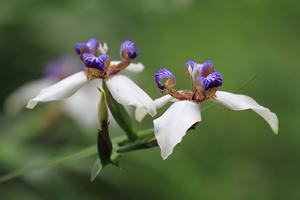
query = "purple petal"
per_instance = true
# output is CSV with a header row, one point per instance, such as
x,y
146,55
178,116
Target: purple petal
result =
x,y
80,48
191,64
206,68
212,80
162,74
93,45
89,47
90,60
129,47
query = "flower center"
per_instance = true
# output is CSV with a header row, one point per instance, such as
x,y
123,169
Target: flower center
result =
x,y
204,81
100,66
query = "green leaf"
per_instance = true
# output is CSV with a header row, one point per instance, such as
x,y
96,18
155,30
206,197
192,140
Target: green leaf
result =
x,y
120,115
83,153
96,169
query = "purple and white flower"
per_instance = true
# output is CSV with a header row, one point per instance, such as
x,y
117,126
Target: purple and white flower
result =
x,y
99,66
185,113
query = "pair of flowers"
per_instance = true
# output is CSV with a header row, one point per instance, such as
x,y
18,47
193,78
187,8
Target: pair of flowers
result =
x,y
182,115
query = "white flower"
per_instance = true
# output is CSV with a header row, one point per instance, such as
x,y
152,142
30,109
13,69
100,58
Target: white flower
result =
x,y
182,115
123,89
54,71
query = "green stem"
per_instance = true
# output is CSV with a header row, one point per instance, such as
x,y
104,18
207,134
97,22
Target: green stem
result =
x,y
137,145
89,151
146,140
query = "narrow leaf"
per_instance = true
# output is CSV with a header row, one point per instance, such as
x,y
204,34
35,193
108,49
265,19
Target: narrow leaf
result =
x,y
96,169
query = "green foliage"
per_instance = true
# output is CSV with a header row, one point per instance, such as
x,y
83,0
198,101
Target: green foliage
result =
x,y
229,155
121,115
96,169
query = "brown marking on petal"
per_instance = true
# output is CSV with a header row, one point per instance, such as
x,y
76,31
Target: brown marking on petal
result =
x,y
107,64
187,73
205,95
114,69
184,95
170,83
206,72
210,93
124,55
93,73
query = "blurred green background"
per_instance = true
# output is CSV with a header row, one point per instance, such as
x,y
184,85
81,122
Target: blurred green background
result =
x,y
231,155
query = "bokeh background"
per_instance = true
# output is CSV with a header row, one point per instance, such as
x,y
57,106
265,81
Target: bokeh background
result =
x,y
231,155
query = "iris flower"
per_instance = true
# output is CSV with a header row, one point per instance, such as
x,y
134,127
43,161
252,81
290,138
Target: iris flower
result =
x,y
99,66
185,113
55,71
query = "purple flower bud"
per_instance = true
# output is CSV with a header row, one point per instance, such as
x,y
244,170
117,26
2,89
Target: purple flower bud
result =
x,y
163,74
92,61
90,47
129,49
206,68
212,80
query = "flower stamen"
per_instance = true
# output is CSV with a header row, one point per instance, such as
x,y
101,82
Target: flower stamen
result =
x,y
205,81
100,66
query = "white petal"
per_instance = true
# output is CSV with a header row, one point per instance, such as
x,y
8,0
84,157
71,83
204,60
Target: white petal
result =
x,y
243,102
174,123
18,99
103,48
160,102
127,93
82,106
60,90
132,67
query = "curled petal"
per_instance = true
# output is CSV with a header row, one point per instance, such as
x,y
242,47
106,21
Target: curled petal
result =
x,y
90,60
206,68
174,123
80,48
190,66
163,74
90,47
93,45
127,93
60,90
129,48
212,80
243,102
